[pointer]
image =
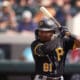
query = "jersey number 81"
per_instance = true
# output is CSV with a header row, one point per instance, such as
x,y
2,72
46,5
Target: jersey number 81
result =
x,y
47,67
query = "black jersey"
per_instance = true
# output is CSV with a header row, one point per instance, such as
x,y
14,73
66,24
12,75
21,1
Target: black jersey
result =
x,y
52,63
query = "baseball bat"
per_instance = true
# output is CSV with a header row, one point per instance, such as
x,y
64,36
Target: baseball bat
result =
x,y
46,13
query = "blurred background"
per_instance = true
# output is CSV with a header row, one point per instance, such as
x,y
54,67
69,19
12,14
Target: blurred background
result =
x,y
18,21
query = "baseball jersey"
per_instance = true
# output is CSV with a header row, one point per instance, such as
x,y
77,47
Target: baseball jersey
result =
x,y
52,62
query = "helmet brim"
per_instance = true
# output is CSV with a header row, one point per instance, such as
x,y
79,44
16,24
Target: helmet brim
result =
x,y
45,29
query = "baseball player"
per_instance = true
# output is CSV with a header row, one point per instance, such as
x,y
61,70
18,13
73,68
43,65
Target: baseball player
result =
x,y
50,50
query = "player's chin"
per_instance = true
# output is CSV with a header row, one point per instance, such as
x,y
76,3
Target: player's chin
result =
x,y
46,40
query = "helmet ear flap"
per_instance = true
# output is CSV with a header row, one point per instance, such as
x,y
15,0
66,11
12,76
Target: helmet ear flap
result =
x,y
36,34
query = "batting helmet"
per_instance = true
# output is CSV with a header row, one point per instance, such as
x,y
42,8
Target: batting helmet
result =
x,y
46,25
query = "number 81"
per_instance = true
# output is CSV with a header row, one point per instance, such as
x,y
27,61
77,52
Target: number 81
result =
x,y
47,67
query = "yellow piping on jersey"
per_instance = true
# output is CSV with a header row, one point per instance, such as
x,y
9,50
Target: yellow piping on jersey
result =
x,y
36,48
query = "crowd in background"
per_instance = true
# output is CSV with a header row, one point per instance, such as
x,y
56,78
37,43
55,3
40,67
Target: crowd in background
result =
x,y
22,16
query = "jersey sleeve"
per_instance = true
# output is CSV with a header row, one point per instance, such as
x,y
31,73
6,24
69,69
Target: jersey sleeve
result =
x,y
69,43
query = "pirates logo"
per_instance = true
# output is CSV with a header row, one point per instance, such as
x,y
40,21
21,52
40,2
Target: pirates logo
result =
x,y
59,52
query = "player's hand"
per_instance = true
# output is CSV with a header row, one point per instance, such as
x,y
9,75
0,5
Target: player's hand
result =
x,y
64,31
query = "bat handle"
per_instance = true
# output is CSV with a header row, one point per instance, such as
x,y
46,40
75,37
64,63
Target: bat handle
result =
x,y
56,22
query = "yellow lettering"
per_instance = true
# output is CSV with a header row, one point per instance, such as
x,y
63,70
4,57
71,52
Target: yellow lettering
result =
x,y
59,52
47,67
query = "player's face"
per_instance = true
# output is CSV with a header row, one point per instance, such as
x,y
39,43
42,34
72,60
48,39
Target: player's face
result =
x,y
45,35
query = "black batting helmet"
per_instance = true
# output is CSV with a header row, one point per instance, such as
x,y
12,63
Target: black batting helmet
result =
x,y
46,25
